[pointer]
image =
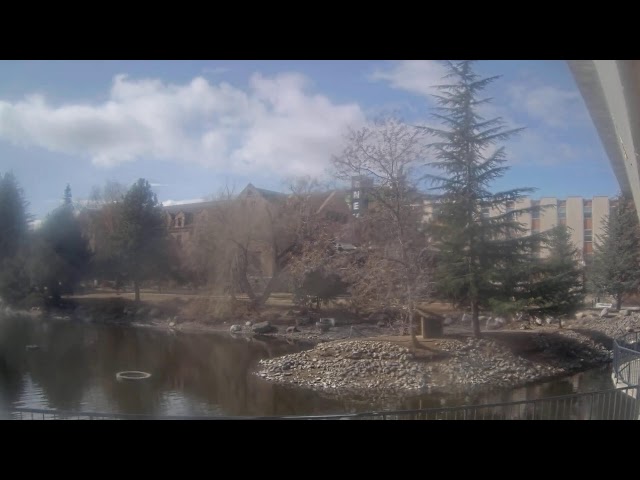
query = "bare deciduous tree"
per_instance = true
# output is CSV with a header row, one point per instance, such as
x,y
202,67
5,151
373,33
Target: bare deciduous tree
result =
x,y
249,239
391,267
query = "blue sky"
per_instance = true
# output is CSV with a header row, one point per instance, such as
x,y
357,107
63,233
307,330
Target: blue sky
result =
x,y
190,127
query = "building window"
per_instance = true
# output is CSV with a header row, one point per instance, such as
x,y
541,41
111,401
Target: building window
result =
x,y
535,212
587,211
562,209
588,248
588,235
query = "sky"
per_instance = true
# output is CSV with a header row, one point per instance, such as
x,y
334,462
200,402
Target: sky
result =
x,y
194,127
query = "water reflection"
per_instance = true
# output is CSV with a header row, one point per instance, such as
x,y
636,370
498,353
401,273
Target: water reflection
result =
x,y
75,365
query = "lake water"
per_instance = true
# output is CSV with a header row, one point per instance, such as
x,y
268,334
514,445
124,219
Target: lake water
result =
x,y
74,368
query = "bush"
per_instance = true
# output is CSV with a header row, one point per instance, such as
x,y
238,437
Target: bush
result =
x,y
318,289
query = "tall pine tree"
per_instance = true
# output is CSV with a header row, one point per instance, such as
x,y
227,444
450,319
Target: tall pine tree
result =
x,y
482,249
14,229
13,216
558,289
60,254
616,262
141,242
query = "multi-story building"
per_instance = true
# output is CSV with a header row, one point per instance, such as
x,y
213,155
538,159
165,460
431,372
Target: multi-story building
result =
x,y
584,217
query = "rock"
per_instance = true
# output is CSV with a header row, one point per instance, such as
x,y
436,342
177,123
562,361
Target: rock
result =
x,y
500,322
491,323
292,329
466,318
538,321
329,321
550,320
263,327
604,312
580,315
235,328
248,323
172,324
525,327
176,319
624,313
448,321
382,323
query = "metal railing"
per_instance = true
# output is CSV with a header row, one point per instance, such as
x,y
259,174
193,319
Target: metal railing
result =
x,y
626,358
614,404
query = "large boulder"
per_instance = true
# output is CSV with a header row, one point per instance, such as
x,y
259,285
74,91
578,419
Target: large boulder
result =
x,y
538,321
263,327
235,328
500,322
292,329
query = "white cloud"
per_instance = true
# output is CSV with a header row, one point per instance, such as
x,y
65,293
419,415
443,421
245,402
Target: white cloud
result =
x,y
276,125
415,76
554,106
168,203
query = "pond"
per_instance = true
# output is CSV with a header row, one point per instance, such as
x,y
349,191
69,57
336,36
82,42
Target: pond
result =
x,y
52,364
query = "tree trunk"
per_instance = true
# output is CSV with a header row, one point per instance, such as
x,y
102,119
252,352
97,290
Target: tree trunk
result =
x,y
259,302
618,302
475,320
136,288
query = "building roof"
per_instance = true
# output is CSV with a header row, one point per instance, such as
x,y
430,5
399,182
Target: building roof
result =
x,y
189,207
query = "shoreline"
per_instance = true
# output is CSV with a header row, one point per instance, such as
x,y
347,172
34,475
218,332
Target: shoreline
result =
x,y
457,362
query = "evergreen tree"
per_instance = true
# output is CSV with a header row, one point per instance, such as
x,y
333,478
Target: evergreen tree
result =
x,y
559,289
482,258
141,236
616,263
14,282
60,254
13,216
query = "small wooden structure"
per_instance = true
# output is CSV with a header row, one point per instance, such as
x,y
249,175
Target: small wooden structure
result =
x,y
431,323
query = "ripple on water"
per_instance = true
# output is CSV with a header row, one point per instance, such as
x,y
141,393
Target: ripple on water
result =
x,y
32,395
